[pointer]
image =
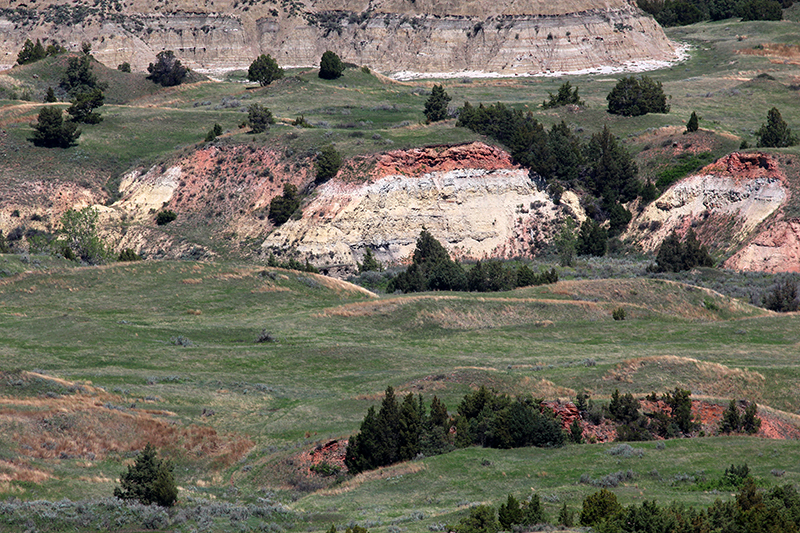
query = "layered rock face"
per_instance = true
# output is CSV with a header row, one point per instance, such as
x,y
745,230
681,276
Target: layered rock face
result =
x,y
727,204
419,36
471,198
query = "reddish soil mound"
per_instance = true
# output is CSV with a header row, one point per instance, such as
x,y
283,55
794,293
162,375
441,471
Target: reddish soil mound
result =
x,y
745,167
331,453
709,415
419,161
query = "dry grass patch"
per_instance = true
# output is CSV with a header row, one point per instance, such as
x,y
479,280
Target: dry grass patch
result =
x,y
19,470
784,52
192,281
393,471
379,308
701,377
542,388
270,287
91,423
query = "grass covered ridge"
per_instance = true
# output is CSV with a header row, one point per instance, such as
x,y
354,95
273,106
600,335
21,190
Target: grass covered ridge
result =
x,y
167,352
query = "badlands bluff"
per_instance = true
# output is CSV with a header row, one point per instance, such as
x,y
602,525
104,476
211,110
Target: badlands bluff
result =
x,y
390,36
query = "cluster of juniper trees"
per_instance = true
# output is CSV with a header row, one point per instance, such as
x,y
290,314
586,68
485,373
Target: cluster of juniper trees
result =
x,y
432,269
399,431
402,430
752,510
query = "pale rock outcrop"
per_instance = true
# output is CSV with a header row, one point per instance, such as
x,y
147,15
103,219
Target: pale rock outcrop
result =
x,y
411,36
144,193
741,190
776,249
486,207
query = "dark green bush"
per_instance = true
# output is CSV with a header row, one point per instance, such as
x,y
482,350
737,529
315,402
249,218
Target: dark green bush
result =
x,y
330,66
281,208
327,165
83,106
128,255
775,133
693,124
165,217
51,130
436,105
566,96
167,71
264,69
633,96
148,480
259,118
675,256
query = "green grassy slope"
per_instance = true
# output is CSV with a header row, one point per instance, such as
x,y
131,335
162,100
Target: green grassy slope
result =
x,y
338,348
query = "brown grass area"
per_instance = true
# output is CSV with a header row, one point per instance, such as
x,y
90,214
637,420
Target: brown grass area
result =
x,y
513,313
270,287
784,52
451,318
712,379
543,388
86,424
192,281
19,470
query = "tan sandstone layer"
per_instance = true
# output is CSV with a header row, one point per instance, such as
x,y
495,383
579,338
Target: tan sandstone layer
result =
x,y
507,37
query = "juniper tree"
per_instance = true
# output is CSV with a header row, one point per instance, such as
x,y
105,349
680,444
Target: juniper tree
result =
x,y
264,69
330,66
731,422
436,105
148,480
775,133
634,96
259,118
83,106
693,124
167,71
52,130
282,207
327,165
566,95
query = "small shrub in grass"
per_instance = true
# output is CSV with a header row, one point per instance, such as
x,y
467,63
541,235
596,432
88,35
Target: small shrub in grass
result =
x,y
180,340
598,506
618,313
165,217
149,480
566,516
259,118
481,519
266,336
325,469
128,255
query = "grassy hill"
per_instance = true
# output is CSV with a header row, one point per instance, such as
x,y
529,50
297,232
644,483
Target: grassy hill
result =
x,y
165,352
95,362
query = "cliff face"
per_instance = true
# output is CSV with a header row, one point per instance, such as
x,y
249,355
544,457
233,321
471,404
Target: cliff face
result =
x,y
471,198
391,36
734,205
